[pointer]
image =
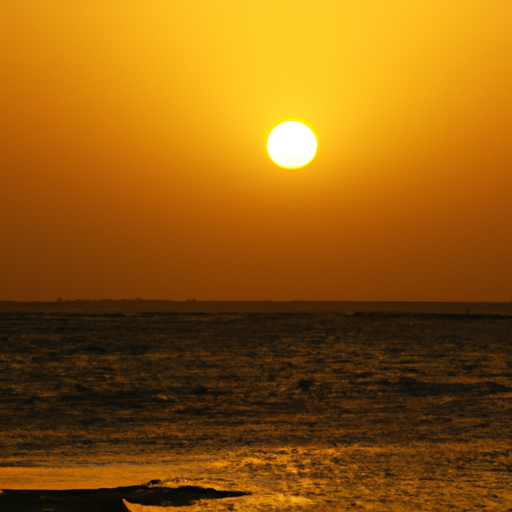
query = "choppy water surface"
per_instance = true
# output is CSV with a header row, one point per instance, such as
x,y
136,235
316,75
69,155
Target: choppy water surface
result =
x,y
322,411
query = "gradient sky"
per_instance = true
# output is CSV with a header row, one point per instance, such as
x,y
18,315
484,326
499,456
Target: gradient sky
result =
x,y
133,161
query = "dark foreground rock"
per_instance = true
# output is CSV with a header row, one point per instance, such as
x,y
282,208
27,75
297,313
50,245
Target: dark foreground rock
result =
x,y
107,500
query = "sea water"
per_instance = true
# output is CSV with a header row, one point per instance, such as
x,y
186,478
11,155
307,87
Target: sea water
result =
x,y
307,411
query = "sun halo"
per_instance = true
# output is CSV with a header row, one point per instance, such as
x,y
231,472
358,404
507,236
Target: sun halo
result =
x,y
292,145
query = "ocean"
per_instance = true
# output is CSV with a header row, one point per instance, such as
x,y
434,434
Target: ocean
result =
x,y
302,410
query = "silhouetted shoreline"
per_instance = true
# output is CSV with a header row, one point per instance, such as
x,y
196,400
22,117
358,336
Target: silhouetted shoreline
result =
x,y
193,306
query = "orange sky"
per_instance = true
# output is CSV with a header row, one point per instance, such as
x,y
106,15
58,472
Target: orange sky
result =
x,y
133,162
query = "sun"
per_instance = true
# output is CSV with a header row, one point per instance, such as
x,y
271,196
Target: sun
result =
x,y
292,145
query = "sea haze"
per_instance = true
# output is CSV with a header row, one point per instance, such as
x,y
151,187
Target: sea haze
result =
x,y
338,410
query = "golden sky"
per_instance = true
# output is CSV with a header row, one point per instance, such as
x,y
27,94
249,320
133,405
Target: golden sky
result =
x,y
133,160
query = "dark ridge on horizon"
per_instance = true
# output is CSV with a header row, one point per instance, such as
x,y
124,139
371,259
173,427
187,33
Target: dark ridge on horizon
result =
x,y
106,306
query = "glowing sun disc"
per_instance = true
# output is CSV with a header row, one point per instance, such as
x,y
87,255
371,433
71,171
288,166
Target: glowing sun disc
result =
x,y
291,145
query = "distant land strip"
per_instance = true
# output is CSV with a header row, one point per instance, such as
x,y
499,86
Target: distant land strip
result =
x,y
192,306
